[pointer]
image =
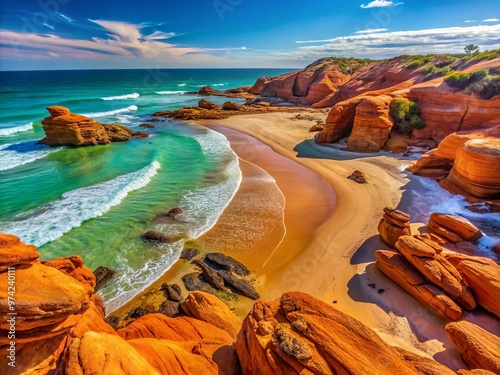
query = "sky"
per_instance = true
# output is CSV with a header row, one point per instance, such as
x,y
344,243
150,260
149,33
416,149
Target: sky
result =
x,y
125,34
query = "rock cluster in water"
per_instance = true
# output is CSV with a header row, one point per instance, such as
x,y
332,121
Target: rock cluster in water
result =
x,y
63,128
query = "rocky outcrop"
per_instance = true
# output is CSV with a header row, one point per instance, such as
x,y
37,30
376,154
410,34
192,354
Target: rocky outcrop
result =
x,y
358,177
313,84
393,225
435,268
301,335
401,272
483,277
476,170
479,348
210,309
63,128
227,263
372,124
103,275
14,252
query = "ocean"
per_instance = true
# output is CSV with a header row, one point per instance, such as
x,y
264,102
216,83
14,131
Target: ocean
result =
x,y
98,201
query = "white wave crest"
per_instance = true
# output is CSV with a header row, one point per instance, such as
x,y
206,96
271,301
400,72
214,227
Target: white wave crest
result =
x,y
182,85
16,129
112,113
11,157
59,217
170,92
135,95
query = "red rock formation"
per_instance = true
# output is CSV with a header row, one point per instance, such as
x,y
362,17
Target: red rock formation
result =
x,y
483,277
393,225
397,268
339,122
436,269
63,128
14,252
372,125
476,171
480,349
210,309
302,335
451,226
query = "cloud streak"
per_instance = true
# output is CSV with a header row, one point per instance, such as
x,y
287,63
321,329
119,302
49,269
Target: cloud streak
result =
x,y
380,4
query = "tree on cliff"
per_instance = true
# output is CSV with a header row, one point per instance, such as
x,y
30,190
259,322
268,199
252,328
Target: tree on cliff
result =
x,y
471,49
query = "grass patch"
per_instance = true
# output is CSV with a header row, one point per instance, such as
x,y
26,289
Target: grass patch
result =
x,y
432,71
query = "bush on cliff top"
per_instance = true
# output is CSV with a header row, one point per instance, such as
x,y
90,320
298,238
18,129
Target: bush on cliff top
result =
x,y
432,71
460,80
405,115
486,88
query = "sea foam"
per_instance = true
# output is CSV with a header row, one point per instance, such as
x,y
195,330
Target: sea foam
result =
x,y
112,113
16,129
170,92
135,95
50,222
15,155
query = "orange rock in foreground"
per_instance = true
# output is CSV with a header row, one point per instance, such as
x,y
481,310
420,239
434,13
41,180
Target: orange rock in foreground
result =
x,y
300,334
479,348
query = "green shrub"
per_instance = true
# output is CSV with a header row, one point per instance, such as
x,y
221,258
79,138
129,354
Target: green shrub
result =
x,y
486,55
415,64
405,115
460,80
432,71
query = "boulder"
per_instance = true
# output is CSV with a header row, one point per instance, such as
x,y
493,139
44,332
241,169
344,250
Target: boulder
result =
x,y
102,276
211,276
193,283
401,272
170,308
226,262
239,284
437,270
393,225
172,292
203,103
456,224
155,236
212,310
180,329
423,365
13,252
189,253
120,133
300,334
339,122
232,106
358,177
73,266
101,353
483,277
479,348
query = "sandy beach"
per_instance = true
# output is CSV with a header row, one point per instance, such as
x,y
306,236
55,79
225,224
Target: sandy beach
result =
x,y
309,228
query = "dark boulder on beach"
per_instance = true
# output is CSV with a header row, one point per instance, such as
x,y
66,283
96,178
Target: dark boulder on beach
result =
x,y
358,176
193,283
103,275
203,103
223,261
154,236
189,253
172,292
211,276
240,285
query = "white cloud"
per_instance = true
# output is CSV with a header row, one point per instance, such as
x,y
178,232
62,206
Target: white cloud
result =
x,y
370,31
470,21
491,20
379,3
388,44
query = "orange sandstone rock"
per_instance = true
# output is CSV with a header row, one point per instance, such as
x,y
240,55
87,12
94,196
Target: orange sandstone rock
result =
x,y
393,225
399,270
480,349
476,171
14,252
73,266
456,224
437,270
483,277
210,309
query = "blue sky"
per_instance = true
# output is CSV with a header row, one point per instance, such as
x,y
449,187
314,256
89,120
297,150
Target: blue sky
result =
x,y
79,34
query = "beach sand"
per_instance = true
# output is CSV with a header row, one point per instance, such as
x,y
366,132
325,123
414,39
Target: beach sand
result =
x,y
326,245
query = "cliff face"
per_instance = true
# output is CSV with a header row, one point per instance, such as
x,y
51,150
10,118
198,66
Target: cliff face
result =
x,y
359,105
312,85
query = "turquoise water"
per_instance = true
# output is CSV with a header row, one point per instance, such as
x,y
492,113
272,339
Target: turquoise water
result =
x,y
97,201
